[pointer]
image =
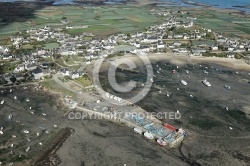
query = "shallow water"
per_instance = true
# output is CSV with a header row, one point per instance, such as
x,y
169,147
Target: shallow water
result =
x,y
220,4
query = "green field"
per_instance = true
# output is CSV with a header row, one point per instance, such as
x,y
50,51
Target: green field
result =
x,y
101,21
223,22
83,81
51,45
52,85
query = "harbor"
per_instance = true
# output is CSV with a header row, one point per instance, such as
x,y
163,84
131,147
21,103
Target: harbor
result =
x,y
136,123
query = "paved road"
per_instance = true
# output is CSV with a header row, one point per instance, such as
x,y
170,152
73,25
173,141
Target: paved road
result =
x,y
81,95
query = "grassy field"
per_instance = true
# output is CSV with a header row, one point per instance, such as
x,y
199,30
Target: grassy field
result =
x,y
223,22
51,45
51,84
101,21
83,81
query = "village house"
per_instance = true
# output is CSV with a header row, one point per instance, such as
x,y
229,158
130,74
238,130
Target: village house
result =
x,y
160,45
37,73
214,48
30,66
230,55
65,72
19,68
239,50
19,77
177,44
7,57
75,75
197,51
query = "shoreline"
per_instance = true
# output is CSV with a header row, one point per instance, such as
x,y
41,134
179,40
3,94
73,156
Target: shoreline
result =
x,y
184,59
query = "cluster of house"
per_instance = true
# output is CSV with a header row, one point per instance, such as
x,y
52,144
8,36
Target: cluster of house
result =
x,y
72,74
28,67
5,53
231,45
153,39
30,70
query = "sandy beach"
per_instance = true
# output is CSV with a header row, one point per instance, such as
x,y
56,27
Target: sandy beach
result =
x,y
184,59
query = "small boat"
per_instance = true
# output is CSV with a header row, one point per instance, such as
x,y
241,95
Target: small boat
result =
x,y
205,72
191,95
2,102
205,82
27,150
148,135
183,82
27,99
10,116
137,130
230,128
187,71
26,131
10,90
161,142
227,108
168,95
15,97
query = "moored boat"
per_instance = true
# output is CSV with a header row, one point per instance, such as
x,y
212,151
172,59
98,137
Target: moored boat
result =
x,y
205,82
161,142
148,135
183,82
205,72
137,130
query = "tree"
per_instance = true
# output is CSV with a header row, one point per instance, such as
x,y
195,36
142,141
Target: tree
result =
x,y
129,35
13,79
